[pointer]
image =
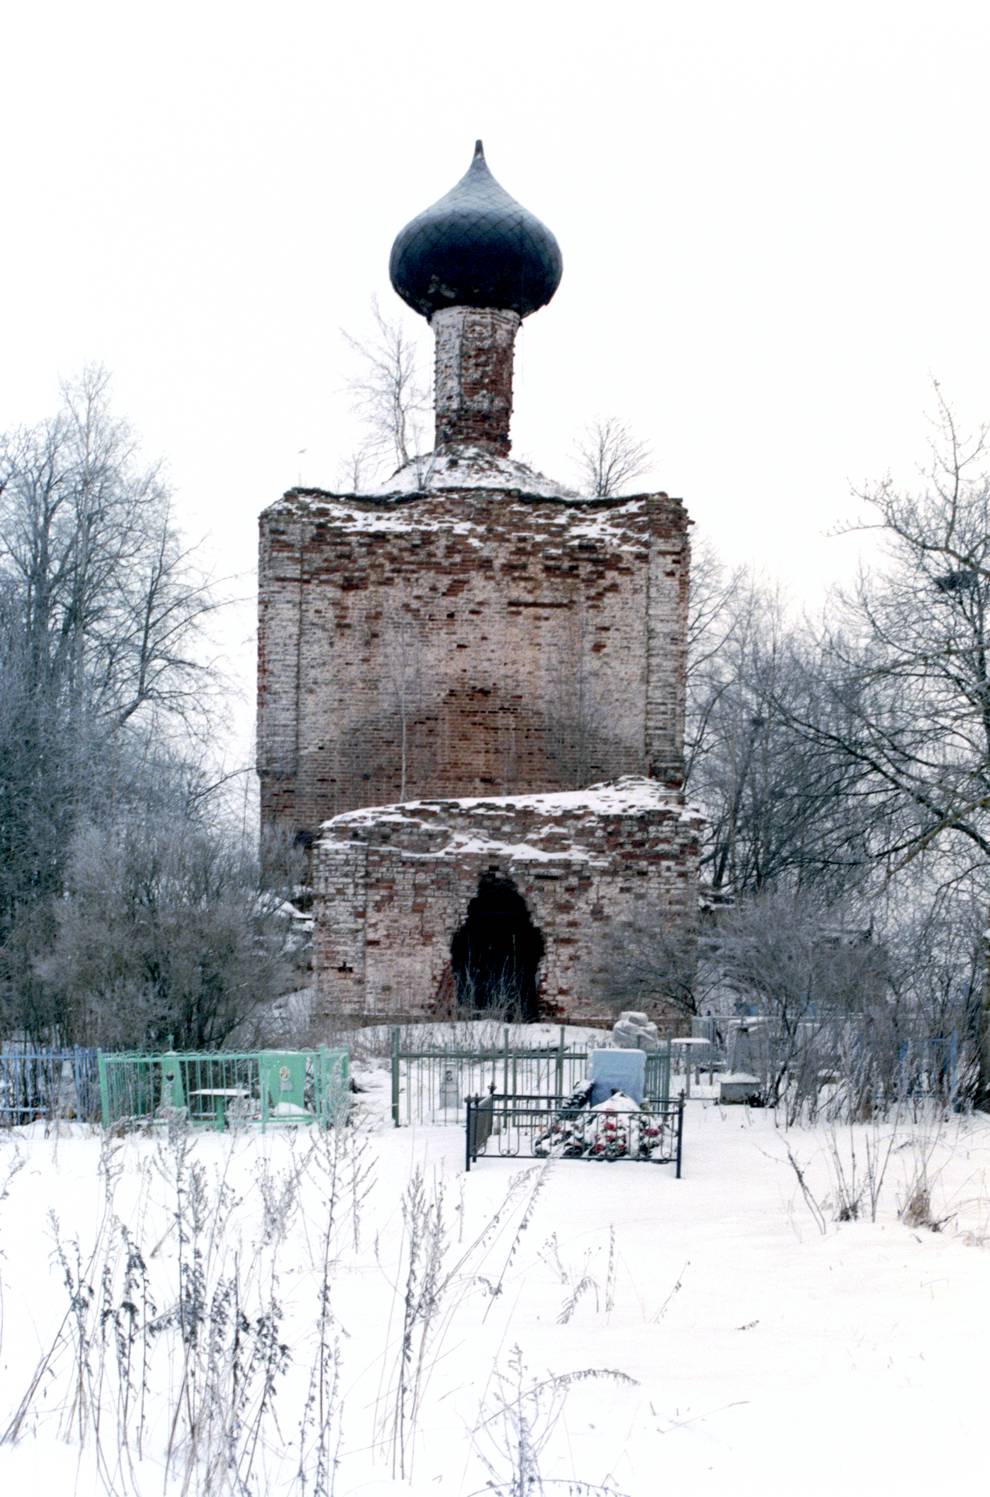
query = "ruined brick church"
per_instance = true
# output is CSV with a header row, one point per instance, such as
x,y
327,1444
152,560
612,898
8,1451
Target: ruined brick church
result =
x,y
471,683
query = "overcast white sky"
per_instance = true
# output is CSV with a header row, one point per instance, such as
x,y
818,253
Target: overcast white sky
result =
x,y
773,218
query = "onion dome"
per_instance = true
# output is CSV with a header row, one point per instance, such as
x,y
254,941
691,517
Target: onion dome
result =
x,y
476,247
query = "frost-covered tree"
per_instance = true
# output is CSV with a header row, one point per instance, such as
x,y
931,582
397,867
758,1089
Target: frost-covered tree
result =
x,y
390,395
165,933
101,610
906,678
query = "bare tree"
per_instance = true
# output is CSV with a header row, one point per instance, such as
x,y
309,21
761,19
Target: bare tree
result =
x,y
104,596
911,656
650,964
857,1017
906,677
609,457
101,608
164,934
805,973
780,807
937,978
389,393
718,608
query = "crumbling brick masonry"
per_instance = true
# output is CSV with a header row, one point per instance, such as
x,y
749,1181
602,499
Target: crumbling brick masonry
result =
x,y
464,643
393,885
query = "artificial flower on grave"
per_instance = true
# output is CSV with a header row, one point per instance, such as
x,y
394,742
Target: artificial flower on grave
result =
x,y
564,1139
605,1132
612,1129
653,1143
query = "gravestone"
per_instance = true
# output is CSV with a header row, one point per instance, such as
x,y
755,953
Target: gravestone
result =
x,y
172,1093
617,1071
738,1086
283,1078
634,1031
450,1091
481,1121
748,1048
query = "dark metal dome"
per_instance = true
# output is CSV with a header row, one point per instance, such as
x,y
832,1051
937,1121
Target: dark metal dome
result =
x,y
476,247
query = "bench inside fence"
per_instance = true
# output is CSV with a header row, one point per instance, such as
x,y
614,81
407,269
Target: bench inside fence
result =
x,y
265,1088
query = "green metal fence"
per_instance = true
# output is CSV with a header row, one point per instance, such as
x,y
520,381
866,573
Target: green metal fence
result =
x,y
264,1088
430,1082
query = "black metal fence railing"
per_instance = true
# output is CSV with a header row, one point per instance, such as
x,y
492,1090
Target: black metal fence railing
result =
x,y
431,1080
511,1127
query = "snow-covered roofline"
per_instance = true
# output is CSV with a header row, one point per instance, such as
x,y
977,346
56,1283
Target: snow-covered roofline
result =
x,y
630,795
464,468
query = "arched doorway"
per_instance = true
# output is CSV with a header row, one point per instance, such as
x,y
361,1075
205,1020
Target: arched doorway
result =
x,y
495,953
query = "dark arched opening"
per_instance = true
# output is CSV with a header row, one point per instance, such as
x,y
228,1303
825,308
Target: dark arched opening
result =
x,y
495,953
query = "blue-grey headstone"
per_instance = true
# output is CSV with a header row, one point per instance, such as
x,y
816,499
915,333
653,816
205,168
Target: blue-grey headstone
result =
x,y
450,1091
617,1071
748,1049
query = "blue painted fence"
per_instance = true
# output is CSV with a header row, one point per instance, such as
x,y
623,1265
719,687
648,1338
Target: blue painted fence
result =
x,y
43,1083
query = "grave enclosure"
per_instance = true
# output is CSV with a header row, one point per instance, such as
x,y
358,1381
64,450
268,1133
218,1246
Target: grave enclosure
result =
x,y
430,1081
264,1088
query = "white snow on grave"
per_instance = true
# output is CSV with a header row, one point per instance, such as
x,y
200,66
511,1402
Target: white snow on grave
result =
x,y
617,1102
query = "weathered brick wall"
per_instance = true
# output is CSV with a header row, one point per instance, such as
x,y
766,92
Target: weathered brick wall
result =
x,y
462,643
392,886
473,376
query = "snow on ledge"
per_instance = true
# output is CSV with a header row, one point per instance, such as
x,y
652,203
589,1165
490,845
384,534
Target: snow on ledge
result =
x,y
630,795
413,500
383,517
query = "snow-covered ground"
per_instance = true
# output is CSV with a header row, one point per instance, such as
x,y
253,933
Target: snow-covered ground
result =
x,y
770,1350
